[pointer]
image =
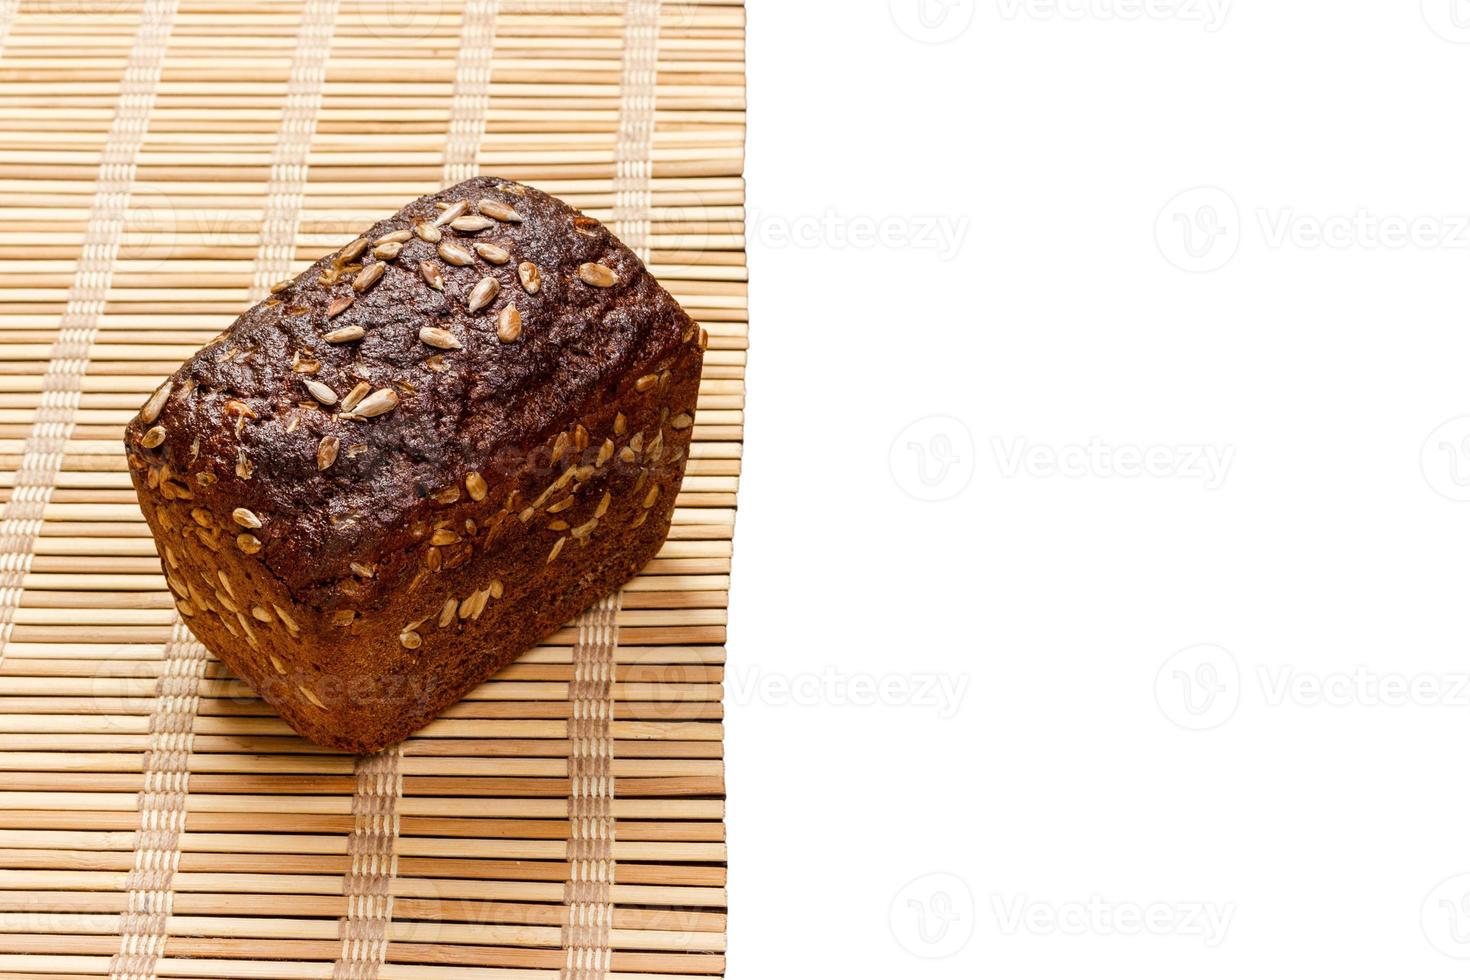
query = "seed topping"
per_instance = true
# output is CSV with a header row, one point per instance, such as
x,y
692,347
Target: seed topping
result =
x,y
493,254
530,277
343,335
431,275
388,251
597,274
320,392
498,211
398,237
357,394
326,451
338,305
470,223
475,484
154,437
485,290
352,251
440,338
450,213
245,517
428,232
508,324
153,407
455,254
368,277
381,401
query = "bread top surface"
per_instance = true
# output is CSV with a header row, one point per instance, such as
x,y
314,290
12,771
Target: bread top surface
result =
x,y
242,409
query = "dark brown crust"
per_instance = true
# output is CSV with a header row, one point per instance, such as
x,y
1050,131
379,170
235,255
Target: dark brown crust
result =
x,y
334,617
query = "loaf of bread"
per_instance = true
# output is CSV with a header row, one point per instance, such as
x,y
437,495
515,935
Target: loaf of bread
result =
x,y
420,457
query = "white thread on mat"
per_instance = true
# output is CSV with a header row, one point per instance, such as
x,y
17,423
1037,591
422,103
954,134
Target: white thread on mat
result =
x,y
162,806
162,810
373,847
289,156
61,386
590,865
377,795
633,180
591,870
471,91
379,784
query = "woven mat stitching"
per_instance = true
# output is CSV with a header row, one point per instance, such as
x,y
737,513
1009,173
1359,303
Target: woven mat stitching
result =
x,y
161,804
471,92
162,810
373,846
590,866
176,704
61,387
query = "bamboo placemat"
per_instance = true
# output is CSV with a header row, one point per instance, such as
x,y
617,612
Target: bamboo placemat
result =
x,y
161,163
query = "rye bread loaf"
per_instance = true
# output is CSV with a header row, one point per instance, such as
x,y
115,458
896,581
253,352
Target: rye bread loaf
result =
x,y
420,457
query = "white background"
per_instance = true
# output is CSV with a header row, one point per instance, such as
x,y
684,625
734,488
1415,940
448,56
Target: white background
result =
x,y
1319,822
